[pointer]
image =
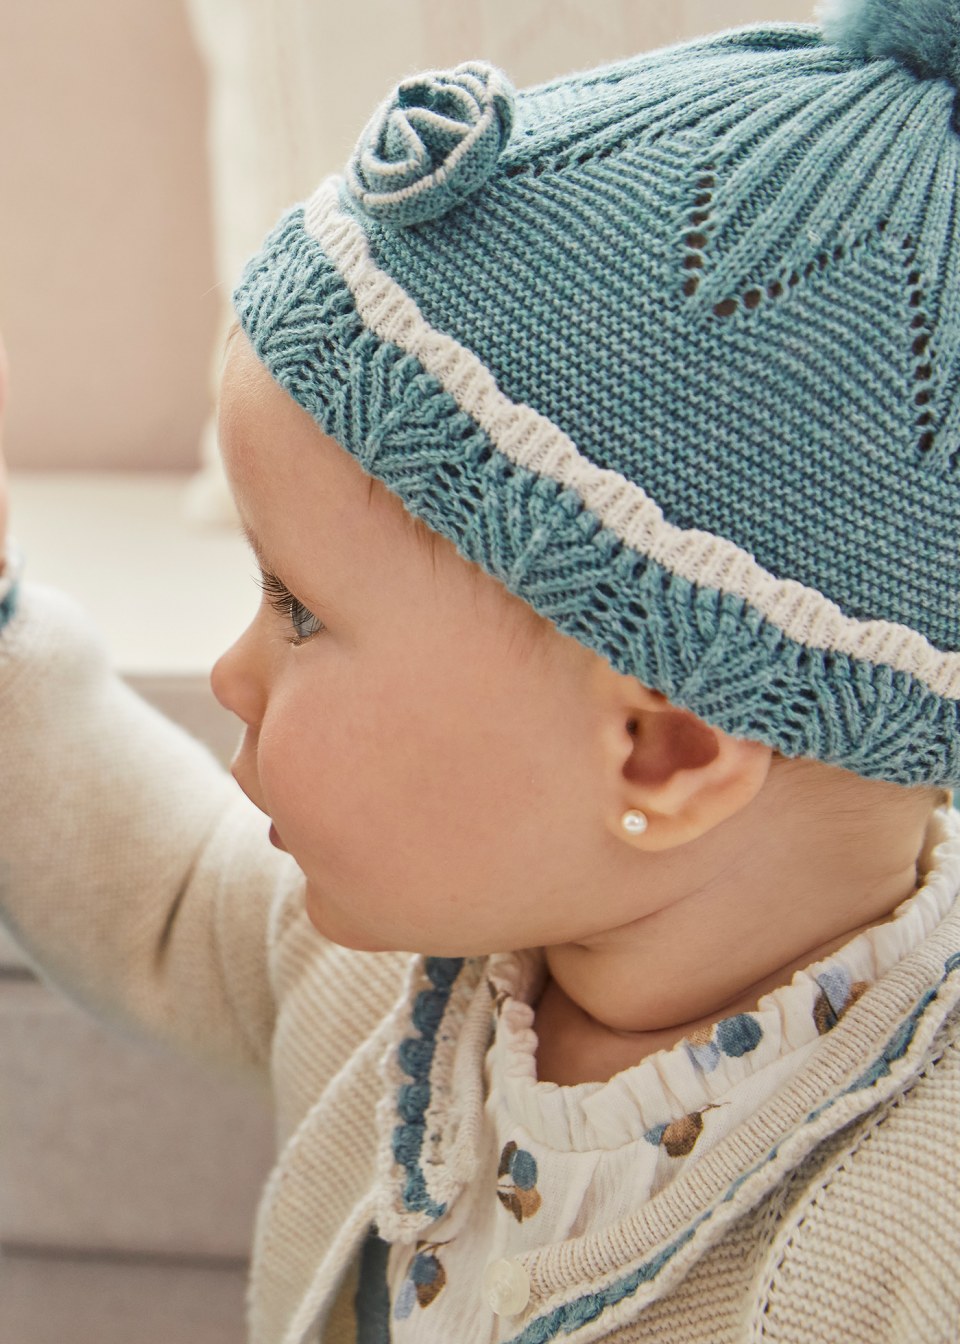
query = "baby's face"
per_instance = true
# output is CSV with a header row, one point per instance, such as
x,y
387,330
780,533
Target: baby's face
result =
x,y
430,754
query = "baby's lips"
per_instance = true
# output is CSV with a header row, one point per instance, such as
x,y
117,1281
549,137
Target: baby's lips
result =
x,y
433,143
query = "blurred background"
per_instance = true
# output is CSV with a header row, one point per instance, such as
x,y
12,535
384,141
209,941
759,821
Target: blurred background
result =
x,y
147,147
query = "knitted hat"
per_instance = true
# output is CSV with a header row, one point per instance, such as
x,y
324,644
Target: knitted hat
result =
x,y
672,349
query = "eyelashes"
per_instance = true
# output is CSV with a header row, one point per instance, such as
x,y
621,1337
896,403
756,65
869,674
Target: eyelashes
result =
x,y
302,621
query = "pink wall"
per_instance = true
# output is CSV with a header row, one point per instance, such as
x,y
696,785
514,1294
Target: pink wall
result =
x,y
105,256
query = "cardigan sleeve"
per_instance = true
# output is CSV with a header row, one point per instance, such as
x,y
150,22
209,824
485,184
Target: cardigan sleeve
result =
x,y
133,871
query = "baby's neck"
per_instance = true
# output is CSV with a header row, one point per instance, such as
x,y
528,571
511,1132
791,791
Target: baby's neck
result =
x,y
575,1047
613,999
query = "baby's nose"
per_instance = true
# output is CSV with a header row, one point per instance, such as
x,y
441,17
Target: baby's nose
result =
x,y
235,682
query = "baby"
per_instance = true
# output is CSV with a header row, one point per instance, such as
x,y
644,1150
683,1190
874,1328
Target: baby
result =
x,y
598,447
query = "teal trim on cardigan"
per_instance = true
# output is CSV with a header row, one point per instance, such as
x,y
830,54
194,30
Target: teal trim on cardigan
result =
x,y
415,1055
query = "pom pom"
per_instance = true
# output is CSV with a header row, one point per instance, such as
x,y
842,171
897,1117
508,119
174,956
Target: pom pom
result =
x,y
923,35
432,143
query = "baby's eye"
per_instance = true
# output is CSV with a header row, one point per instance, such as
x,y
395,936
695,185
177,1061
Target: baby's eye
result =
x,y
303,621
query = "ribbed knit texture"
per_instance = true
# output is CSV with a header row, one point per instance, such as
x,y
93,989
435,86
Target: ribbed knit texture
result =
x,y
722,273
828,1224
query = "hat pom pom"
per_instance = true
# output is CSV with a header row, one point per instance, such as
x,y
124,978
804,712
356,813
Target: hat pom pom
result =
x,y
924,35
432,143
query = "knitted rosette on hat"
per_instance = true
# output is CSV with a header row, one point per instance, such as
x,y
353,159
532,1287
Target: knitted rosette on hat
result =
x,y
672,349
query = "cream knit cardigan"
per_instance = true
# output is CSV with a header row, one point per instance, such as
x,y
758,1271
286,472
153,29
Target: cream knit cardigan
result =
x,y
142,881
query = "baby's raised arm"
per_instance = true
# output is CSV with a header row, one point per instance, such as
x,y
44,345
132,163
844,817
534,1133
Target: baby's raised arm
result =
x,y
131,867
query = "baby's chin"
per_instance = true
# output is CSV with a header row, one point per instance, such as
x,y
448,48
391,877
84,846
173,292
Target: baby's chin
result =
x,y
334,921
337,928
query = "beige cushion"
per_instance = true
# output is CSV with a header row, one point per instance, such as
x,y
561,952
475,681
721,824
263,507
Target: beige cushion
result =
x,y
111,1144
94,1302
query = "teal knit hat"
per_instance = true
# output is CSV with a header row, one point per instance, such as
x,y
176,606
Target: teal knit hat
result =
x,y
672,349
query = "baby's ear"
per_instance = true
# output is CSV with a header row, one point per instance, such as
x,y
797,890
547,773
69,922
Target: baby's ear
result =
x,y
684,775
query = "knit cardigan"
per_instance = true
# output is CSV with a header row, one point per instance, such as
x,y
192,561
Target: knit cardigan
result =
x,y
142,883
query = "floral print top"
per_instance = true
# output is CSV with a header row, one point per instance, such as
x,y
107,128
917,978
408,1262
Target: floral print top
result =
x,y
556,1161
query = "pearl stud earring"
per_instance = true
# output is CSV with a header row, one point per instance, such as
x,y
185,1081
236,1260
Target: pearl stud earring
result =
x,y
634,823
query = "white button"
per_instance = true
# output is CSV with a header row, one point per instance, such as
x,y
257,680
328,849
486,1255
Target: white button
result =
x,y
507,1286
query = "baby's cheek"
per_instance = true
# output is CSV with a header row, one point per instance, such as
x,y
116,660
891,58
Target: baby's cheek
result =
x,y
291,764
325,773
